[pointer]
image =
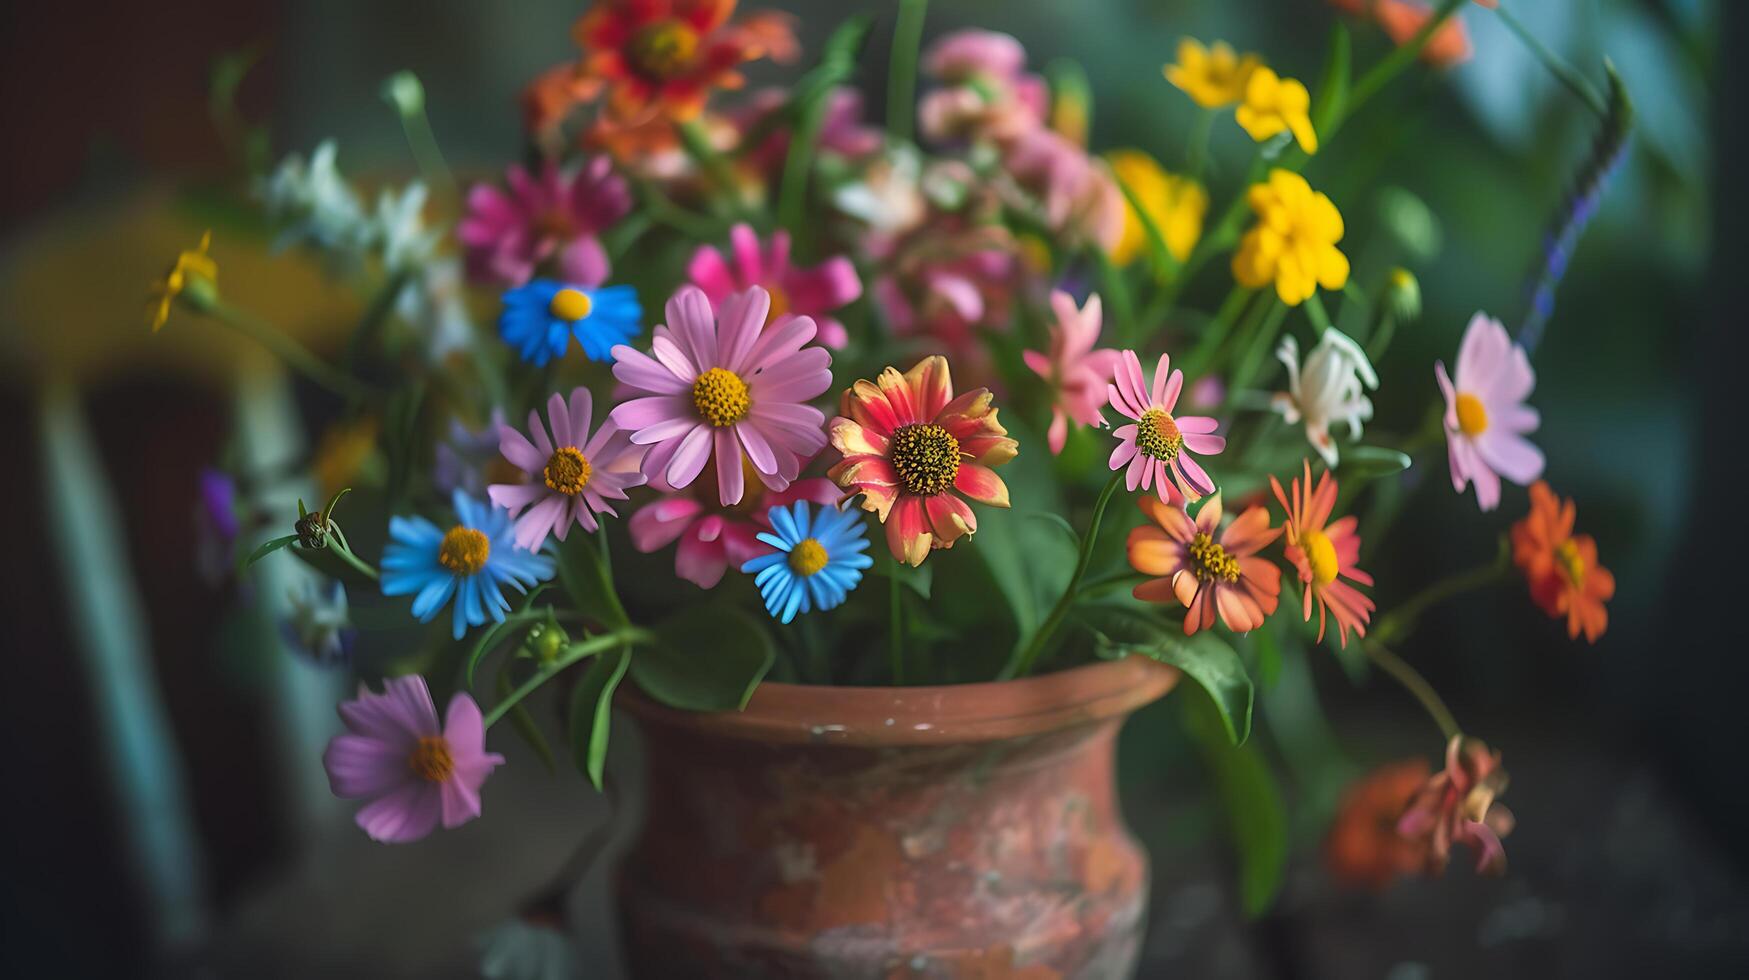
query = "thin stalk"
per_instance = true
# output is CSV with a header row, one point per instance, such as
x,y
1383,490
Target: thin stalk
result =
x,y
405,92
1023,661
698,146
1415,684
1217,331
1391,65
1382,335
295,355
1564,73
1251,360
349,557
902,69
1400,622
370,326
1196,154
1316,313
572,654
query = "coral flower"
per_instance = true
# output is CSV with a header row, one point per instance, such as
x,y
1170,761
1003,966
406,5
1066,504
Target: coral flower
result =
x,y
541,317
713,537
572,475
719,385
1457,806
794,291
1214,76
1176,206
1293,244
1207,570
557,216
1364,849
471,562
665,57
1485,414
1156,446
192,269
1325,554
1076,371
1404,19
414,771
817,562
1560,566
1275,105
909,445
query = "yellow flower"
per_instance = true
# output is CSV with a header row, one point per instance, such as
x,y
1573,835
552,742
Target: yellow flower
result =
x,y
194,268
1214,76
1294,241
1175,204
1273,104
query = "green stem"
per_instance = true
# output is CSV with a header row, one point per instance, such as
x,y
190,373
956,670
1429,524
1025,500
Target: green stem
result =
x,y
370,326
1400,622
1258,347
902,69
1023,661
1316,313
294,354
698,146
1565,73
359,564
1200,356
404,90
1389,67
1415,684
1121,309
895,617
572,654
1196,155
1382,335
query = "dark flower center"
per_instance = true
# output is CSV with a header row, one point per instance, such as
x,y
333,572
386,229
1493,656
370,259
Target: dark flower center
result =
x,y
431,760
926,456
567,471
663,50
1157,435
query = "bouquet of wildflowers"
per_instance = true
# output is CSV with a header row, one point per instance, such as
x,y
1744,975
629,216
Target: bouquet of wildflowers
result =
x,y
716,388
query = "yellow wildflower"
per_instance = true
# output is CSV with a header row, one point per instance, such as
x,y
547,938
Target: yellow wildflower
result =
x,y
1174,203
1294,241
191,268
1214,76
1273,104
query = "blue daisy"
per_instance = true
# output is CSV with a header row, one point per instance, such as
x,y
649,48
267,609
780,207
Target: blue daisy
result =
x,y
471,562
540,318
817,561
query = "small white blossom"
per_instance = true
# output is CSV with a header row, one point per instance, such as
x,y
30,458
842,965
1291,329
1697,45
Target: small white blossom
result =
x,y
435,304
889,198
318,622
1328,389
398,231
314,202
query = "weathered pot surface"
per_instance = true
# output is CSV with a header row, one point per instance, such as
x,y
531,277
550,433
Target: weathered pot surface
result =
x,y
879,833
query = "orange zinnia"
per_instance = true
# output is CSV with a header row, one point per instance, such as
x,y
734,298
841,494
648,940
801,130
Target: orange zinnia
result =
x,y
1364,849
1560,566
1325,554
1206,569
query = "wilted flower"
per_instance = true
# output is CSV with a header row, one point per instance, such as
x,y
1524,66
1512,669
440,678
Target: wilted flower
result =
x,y
1213,77
193,270
1561,567
556,216
316,204
1156,445
818,559
1077,373
1205,569
1293,243
813,292
1276,105
471,562
1364,848
318,624
713,537
1325,554
1330,389
1176,206
1457,806
986,92
1486,418
580,474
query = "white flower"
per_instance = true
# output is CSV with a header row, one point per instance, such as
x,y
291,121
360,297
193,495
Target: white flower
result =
x,y
436,306
889,198
318,623
1329,389
317,204
398,229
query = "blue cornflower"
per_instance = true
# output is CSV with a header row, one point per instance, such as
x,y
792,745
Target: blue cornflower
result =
x,y
472,561
540,318
817,561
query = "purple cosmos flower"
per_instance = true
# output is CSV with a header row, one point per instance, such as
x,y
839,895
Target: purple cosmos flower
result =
x,y
572,475
413,771
557,215
1156,446
1485,414
216,526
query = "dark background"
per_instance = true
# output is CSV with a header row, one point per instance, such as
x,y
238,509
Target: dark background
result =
x,y
1625,757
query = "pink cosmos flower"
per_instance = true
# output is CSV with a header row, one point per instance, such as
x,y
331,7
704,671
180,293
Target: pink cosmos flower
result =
x,y
986,92
713,537
572,475
722,385
794,291
1485,414
946,300
556,216
842,129
1157,446
1078,373
413,771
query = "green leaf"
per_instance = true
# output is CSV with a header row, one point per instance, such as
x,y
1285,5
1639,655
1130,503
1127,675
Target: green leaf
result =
x,y
588,581
705,658
591,714
1371,463
401,438
1268,655
1061,523
267,548
1204,658
1165,264
1257,818
524,723
1333,86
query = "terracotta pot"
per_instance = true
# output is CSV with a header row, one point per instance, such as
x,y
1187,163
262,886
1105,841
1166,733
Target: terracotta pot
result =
x,y
830,832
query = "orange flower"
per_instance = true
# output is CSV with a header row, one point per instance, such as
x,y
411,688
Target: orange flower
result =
x,y
1457,806
1560,566
1325,554
909,445
1203,572
1403,19
1364,849
665,57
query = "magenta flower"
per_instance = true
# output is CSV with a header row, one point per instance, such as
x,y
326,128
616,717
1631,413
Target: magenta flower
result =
x,y
986,92
1079,374
1157,447
1485,414
711,537
571,476
794,291
1076,195
557,217
723,386
413,771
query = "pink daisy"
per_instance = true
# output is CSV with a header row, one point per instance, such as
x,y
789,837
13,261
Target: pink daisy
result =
x,y
1485,414
1157,446
556,216
723,385
713,537
413,771
572,475
1078,373
794,291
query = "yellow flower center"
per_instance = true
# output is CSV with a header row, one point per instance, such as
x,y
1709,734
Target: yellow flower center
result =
x,y
464,550
567,471
1321,555
1472,417
779,301
663,50
1572,563
721,397
1157,435
1210,561
570,304
926,457
431,760
807,557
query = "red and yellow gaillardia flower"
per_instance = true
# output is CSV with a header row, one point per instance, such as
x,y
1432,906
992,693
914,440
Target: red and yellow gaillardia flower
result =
x,y
1206,569
1325,554
911,448
1560,566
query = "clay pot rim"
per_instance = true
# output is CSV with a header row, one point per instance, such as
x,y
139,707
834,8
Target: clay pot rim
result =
x,y
876,717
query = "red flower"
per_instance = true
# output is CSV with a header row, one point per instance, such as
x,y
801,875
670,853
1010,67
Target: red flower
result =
x,y
1457,806
1364,849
